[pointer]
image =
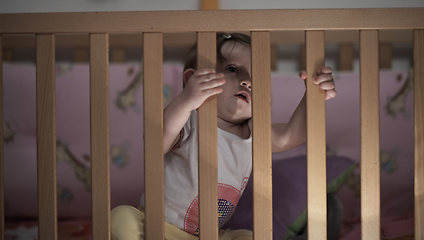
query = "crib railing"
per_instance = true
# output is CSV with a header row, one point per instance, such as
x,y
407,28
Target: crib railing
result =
x,y
206,23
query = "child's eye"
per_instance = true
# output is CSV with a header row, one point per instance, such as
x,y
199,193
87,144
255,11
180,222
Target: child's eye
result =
x,y
232,68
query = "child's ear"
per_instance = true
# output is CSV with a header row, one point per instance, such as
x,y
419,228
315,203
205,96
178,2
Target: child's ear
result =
x,y
187,75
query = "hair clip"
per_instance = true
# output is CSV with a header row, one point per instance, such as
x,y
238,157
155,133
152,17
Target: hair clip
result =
x,y
227,36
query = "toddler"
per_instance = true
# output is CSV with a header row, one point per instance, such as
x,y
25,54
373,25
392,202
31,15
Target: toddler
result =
x,y
231,83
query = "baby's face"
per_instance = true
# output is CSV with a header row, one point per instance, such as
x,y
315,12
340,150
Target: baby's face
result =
x,y
234,103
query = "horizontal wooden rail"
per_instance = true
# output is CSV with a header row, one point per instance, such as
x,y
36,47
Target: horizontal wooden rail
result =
x,y
189,38
190,21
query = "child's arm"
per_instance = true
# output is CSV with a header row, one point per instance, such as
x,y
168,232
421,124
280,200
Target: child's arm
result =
x,y
287,136
199,85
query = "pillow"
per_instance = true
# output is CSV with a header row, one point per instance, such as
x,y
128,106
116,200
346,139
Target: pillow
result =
x,y
289,194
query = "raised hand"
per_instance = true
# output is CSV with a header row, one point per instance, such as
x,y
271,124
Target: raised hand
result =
x,y
324,80
200,85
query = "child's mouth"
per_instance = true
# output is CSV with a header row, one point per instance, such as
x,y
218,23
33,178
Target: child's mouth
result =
x,y
244,96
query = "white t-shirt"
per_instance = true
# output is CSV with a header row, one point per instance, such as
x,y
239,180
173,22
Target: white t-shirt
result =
x,y
181,179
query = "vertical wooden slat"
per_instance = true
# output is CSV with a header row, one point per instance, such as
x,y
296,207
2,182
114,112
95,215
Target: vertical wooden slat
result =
x,y
419,131
99,123
315,102
153,144
346,57
46,137
1,145
370,140
208,151
261,133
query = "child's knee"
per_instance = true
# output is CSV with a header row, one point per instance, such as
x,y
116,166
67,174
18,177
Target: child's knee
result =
x,y
127,223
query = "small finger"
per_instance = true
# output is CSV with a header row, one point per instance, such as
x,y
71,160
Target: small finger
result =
x,y
212,84
211,77
323,78
203,71
324,70
327,85
330,94
302,74
212,91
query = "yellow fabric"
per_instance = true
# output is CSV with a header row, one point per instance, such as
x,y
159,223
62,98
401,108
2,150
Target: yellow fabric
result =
x,y
127,223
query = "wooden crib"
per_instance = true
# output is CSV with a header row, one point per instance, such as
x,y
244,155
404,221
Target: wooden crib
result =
x,y
260,22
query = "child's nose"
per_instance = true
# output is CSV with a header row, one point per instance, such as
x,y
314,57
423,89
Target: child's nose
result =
x,y
246,83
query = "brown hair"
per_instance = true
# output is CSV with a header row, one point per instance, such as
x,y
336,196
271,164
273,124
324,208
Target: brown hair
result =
x,y
221,38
